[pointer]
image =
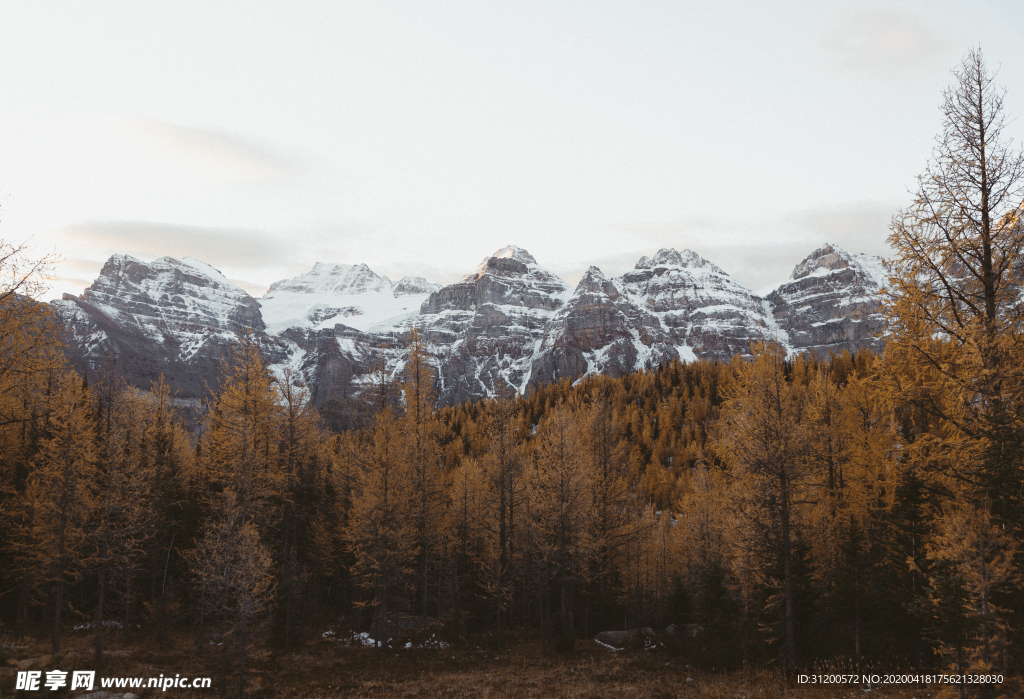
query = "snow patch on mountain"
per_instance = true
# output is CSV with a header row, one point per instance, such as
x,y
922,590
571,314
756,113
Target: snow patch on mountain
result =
x,y
352,295
873,266
201,267
491,320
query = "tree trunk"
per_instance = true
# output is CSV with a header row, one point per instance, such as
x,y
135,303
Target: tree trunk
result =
x,y
241,643
502,554
543,628
162,608
960,670
58,605
856,615
97,658
287,620
787,565
202,619
223,667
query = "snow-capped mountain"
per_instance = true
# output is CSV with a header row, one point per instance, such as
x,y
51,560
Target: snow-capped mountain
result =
x,y
509,322
670,306
349,294
701,308
487,326
169,316
601,329
831,302
169,298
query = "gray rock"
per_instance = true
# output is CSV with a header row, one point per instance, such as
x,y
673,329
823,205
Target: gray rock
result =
x,y
626,638
832,302
170,317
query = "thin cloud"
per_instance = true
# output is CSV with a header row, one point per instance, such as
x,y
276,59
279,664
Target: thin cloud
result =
x,y
227,152
660,229
861,227
758,267
706,237
612,265
887,42
75,273
242,254
254,289
216,246
78,265
387,253
763,267
75,282
759,254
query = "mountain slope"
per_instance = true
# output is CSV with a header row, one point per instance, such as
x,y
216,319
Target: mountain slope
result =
x,y
485,328
831,302
509,323
171,317
352,295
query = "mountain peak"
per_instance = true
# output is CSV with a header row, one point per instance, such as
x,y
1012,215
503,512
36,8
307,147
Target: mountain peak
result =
x,y
831,258
511,322
333,293
203,268
827,258
125,268
171,297
670,257
332,277
594,281
510,252
514,252
414,285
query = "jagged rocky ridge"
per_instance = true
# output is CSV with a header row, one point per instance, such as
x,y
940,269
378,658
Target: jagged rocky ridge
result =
x,y
507,324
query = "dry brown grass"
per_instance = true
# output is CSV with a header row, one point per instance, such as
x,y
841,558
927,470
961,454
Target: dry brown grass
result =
x,y
323,670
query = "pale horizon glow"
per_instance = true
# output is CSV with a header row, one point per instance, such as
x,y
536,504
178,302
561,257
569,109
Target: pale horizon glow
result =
x,y
419,137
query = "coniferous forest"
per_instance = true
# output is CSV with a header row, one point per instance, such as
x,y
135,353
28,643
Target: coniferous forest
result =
x,y
778,511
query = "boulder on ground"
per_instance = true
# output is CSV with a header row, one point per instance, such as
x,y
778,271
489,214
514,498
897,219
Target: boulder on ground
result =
x,y
683,631
618,640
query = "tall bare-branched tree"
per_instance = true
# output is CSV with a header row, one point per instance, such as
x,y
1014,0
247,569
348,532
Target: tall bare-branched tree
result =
x,y
380,533
28,335
958,245
235,571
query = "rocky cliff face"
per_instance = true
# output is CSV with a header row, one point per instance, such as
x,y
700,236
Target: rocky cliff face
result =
x,y
170,299
509,323
831,302
485,327
704,312
170,317
601,329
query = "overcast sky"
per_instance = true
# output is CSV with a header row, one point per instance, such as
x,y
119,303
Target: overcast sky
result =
x,y
419,137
